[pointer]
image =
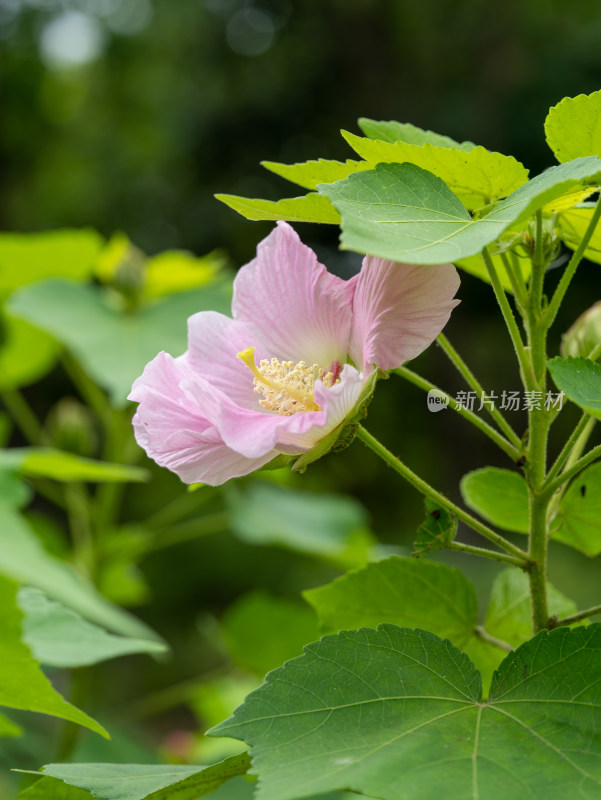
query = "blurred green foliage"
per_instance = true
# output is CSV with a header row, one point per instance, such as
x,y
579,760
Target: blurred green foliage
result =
x,y
127,115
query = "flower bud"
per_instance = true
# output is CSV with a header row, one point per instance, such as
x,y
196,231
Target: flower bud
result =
x,y
584,335
70,427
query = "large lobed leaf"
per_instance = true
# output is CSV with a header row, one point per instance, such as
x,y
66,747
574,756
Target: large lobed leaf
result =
x,y
430,595
398,713
405,213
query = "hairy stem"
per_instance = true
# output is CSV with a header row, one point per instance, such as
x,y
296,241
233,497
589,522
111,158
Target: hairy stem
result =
x,y
510,321
468,415
425,488
580,615
485,553
483,634
471,380
566,476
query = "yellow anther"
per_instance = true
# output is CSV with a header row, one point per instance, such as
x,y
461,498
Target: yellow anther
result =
x,y
248,357
287,388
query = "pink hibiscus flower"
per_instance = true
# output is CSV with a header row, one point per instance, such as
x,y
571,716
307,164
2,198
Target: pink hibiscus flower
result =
x,y
290,366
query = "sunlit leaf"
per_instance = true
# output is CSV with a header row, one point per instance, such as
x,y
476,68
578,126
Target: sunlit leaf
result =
x,y
311,173
308,208
23,685
392,131
31,257
573,127
398,713
473,172
404,213
571,227
500,496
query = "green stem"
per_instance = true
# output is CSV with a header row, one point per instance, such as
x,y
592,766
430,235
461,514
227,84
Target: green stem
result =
x,y
573,264
515,278
78,509
471,380
475,420
580,615
380,450
566,476
485,553
508,315
22,413
582,429
483,634
539,420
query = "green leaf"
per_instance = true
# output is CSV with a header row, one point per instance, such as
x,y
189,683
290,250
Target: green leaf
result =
x,y
500,496
23,685
8,728
437,531
580,380
26,354
578,520
405,132
311,173
23,559
112,346
509,618
397,713
477,176
573,127
328,525
308,208
53,789
46,462
31,257
571,227
14,493
404,213
59,637
261,632
509,615
405,591
148,782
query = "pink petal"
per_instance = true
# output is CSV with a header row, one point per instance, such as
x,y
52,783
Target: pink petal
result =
x,y
174,431
302,311
398,310
214,341
254,433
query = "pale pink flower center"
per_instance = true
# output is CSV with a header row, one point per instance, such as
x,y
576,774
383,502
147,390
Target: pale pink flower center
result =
x,y
288,388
